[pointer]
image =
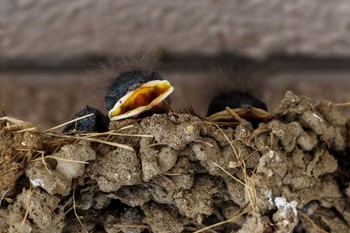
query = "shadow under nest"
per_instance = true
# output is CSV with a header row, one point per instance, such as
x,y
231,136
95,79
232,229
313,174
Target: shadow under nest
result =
x,y
177,173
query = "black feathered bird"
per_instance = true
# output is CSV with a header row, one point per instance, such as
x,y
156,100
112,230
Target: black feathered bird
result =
x,y
236,90
136,93
97,122
136,90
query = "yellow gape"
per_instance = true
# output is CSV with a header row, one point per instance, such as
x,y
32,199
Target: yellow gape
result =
x,y
140,100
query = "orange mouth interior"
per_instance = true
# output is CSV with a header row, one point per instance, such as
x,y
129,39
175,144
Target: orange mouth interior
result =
x,y
144,96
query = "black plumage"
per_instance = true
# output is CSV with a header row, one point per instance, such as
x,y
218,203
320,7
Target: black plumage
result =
x,y
125,82
234,100
98,122
135,90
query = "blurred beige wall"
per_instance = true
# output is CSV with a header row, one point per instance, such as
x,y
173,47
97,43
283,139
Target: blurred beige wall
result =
x,y
44,42
254,28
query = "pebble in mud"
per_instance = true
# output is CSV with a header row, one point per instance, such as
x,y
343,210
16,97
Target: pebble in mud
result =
x,y
292,106
210,156
136,195
330,113
256,223
322,163
176,133
161,218
45,213
222,136
125,222
50,180
236,191
286,133
70,164
117,168
92,199
325,191
71,158
155,161
307,140
198,201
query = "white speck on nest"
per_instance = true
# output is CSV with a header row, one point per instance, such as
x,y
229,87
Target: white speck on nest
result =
x,y
271,154
233,164
281,202
286,217
190,128
269,173
268,195
37,182
278,158
317,117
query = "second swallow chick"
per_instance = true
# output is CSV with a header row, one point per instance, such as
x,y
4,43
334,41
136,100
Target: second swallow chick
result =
x,y
235,94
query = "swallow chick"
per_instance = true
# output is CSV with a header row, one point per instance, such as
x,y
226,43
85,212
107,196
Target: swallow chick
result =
x,y
136,90
97,122
236,98
243,104
137,93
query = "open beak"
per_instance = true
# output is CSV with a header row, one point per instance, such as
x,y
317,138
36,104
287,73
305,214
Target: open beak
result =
x,y
143,99
248,113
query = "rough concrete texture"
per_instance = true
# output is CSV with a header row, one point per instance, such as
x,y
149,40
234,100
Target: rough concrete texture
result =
x,y
285,175
255,28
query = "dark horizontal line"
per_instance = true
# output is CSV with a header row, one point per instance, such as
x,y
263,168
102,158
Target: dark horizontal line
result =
x,y
175,62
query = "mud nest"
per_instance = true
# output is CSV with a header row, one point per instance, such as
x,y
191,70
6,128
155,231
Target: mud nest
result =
x,y
178,173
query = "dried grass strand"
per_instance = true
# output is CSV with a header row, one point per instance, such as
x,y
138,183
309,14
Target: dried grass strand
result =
x,y
10,170
90,135
27,129
109,143
66,160
16,121
75,209
346,104
62,159
131,226
44,162
250,192
93,140
236,179
3,196
312,222
68,122
31,191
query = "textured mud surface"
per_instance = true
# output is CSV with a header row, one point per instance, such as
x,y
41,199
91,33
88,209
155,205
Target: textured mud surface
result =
x,y
177,173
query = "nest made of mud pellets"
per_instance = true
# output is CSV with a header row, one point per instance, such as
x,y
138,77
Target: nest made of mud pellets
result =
x,y
177,173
